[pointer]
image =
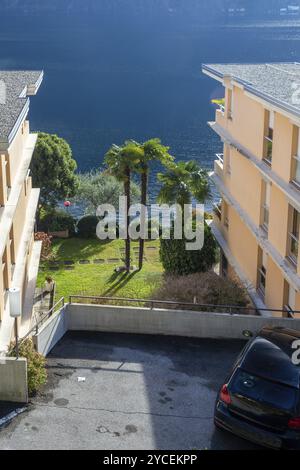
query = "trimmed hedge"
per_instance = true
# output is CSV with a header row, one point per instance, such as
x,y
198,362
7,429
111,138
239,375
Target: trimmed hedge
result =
x,y
178,261
57,221
86,226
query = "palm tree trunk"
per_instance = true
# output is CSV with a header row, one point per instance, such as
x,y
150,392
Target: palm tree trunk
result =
x,y
144,189
127,240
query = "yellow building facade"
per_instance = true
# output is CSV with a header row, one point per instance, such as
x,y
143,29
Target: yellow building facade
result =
x,y
19,253
257,222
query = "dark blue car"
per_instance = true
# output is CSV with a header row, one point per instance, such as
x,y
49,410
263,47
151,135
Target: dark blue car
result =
x,y
260,400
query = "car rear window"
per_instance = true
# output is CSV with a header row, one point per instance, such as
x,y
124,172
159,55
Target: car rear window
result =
x,y
276,395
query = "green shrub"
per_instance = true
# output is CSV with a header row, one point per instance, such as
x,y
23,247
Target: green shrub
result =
x,y
86,226
57,221
179,261
36,366
203,288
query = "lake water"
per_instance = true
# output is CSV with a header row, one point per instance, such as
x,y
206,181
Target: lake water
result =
x,y
108,79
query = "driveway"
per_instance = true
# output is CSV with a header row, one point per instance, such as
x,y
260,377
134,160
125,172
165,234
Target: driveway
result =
x,y
119,391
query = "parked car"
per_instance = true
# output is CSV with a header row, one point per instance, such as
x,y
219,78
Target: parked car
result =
x,y
260,400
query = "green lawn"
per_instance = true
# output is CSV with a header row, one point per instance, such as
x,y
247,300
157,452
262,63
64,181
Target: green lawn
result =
x,y
100,279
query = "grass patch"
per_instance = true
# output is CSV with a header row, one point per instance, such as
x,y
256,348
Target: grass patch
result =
x,y
100,279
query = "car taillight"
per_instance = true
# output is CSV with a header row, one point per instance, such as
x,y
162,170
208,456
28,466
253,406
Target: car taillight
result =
x,y
294,423
225,395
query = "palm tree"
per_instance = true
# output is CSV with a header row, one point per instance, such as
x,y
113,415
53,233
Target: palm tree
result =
x,y
182,182
122,161
153,151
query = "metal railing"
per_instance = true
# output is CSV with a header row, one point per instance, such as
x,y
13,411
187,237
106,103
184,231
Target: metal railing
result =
x,y
230,309
220,157
35,329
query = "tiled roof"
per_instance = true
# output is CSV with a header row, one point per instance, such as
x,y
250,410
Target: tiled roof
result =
x,y
278,83
15,87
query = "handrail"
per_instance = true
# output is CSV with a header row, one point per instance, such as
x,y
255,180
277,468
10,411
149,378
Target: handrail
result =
x,y
230,308
35,328
220,157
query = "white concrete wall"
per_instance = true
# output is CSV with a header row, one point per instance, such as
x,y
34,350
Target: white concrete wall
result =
x,y
13,380
105,318
50,333
167,322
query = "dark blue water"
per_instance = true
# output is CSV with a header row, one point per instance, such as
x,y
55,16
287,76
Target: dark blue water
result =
x,y
110,78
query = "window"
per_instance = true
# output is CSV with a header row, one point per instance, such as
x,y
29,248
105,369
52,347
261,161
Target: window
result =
x,y
268,141
252,388
296,159
265,209
293,236
262,272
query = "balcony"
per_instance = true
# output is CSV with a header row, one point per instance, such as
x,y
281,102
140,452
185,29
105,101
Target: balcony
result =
x,y
219,164
221,117
217,209
268,151
285,264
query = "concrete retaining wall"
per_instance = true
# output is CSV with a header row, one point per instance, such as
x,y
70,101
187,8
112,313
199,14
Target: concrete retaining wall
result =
x,y
167,322
13,380
50,333
105,318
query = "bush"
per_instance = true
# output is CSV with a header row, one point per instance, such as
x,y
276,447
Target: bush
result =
x,y
179,261
46,244
36,366
86,226
203,288
57,221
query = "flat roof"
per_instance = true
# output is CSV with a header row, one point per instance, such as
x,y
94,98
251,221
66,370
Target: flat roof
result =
x,y
277,83
15,88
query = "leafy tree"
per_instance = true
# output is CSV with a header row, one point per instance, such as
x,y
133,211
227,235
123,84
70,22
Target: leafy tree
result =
x,y
152,151
182,182
122,161
96,188
53,169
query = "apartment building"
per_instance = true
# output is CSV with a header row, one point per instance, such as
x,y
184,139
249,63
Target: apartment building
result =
x,y
19,252
257,223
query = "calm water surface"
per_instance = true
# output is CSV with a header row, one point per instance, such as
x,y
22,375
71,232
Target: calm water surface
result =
x,y
112,78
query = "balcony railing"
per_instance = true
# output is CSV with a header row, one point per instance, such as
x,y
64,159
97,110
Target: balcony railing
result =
x,y
220,157
290,313
217,209
222,108
268,150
